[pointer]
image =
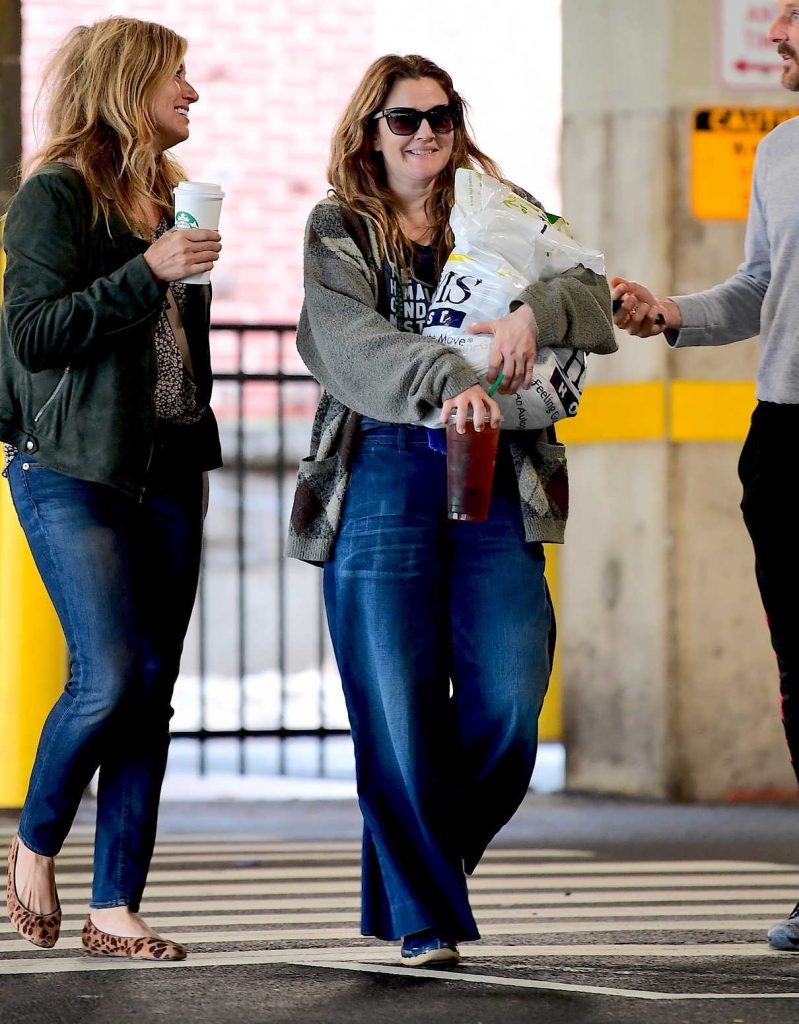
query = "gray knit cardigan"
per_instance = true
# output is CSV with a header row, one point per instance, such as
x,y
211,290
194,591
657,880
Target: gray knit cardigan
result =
x,y
367,367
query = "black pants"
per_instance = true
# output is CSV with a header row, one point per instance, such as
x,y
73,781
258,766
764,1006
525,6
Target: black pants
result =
x,y
769,473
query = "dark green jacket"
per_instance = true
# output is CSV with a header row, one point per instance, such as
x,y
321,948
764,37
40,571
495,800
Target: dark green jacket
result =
x,y
77,357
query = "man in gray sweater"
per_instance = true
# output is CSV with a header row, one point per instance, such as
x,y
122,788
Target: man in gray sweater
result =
x,y
761,297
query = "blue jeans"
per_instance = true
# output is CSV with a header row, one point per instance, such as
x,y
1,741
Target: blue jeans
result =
x,y
442,631
122,577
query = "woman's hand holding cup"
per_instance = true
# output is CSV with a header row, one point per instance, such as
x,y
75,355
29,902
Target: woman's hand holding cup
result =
x,y
181,252
483,409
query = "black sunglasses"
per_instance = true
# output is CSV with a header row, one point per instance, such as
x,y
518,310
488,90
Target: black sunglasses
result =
x,y
406,120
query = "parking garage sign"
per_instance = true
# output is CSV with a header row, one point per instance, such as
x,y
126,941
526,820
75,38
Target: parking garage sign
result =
x,y
724,141
747,58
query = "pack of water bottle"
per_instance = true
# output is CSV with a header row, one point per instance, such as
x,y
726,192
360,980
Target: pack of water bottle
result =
x,y
503,243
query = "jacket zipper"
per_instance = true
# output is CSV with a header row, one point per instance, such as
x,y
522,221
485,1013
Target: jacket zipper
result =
x,y
54,395
143,488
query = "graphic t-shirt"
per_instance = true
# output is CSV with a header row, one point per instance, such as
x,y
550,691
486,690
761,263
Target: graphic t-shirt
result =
x,y
408,301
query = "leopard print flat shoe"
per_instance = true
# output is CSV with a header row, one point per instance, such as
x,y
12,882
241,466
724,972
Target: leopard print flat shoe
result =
x,y
98,943
40,929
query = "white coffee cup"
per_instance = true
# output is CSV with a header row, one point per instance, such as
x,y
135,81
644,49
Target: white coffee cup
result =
x,y
198,205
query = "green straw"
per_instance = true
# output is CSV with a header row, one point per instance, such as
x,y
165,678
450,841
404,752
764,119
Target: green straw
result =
x,y
495,385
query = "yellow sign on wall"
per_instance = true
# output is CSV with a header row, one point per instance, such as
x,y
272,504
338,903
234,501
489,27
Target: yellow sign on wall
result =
x,y
723,144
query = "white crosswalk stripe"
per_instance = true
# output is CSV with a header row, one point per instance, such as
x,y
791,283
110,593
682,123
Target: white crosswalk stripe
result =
x,y
250,901
482,900
224,853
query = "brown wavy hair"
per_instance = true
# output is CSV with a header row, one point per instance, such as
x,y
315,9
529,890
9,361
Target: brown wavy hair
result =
x,y
97,94
357,173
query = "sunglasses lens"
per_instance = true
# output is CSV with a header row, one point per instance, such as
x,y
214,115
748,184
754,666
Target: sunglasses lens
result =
x,y
403,122
441,120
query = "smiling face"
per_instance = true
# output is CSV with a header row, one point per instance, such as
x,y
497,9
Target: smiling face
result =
x,y
785,33
171,109
413,162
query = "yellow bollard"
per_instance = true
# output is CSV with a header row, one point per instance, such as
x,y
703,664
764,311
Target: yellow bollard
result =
x,y
32,656
32,649
550,722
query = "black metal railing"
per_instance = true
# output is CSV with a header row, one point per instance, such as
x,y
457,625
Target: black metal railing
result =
x,y
274,460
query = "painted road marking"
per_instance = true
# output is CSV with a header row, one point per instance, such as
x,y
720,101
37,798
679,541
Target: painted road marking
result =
x,y
222,937
310,887
551,875
548,986
197,916
720,897
220,853
695,951
258,957
515,893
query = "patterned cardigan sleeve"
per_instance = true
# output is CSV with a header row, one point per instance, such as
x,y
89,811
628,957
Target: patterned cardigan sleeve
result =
x,y
352,350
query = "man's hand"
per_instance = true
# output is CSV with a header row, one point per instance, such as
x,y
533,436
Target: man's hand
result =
x,y
639,312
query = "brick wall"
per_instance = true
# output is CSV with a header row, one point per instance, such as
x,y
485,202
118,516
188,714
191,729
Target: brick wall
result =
x,y
273,79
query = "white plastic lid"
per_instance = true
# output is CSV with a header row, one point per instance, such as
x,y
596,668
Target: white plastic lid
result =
x,y
205,187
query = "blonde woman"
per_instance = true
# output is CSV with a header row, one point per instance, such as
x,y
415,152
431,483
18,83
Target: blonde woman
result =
x,y
104,387
442,630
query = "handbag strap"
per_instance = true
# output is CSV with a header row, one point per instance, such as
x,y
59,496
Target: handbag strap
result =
x,y
176,323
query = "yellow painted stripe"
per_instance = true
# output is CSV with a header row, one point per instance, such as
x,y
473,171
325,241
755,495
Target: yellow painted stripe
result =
x,y
633,411
683,411
711,410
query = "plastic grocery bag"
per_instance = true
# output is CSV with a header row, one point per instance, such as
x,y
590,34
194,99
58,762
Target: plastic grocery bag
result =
x,y
503,243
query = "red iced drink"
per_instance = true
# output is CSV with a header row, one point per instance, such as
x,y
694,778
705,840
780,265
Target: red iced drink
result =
x,y
470,470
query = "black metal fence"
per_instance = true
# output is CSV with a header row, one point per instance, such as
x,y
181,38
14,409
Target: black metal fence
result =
x,y
276,365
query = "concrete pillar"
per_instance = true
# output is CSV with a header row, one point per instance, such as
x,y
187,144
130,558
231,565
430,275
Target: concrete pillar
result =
x,y
670,685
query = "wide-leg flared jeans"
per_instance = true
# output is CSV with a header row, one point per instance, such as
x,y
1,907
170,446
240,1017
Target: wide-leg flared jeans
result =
x,y
443,633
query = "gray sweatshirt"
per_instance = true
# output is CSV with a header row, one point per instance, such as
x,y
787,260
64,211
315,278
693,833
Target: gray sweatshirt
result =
x,y
763,295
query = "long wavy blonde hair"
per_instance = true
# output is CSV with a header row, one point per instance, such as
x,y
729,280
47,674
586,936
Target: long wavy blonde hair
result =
x,y
357,173
97,94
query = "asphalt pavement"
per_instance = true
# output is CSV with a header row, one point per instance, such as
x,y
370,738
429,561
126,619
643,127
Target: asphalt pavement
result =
x,y
591,910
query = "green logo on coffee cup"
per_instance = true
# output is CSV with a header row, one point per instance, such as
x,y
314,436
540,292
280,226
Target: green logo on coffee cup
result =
x,y
185,220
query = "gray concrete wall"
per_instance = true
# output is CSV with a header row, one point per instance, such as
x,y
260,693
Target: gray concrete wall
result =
x,y
10,86
670,686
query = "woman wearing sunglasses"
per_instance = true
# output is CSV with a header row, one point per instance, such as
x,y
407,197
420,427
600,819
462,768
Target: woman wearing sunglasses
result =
x,y
442,630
